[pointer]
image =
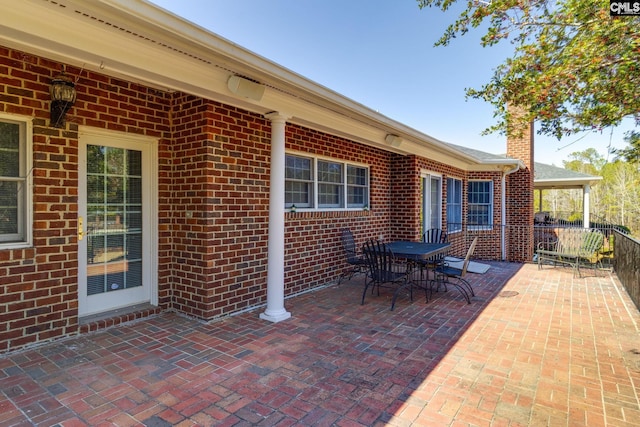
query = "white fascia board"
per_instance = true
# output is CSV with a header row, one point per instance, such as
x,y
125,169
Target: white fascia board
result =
x,y
565,183
105,51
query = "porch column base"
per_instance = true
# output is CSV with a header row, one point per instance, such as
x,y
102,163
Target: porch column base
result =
x,y
275,317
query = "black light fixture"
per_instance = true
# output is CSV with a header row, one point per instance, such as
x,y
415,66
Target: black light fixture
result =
x,y
63,96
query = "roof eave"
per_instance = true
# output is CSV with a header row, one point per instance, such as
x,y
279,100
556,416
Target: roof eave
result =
x,y
181,56
549,184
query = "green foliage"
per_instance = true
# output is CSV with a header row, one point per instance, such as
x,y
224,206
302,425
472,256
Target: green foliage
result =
x,y
614,200
574,67
588,161
632,152
576,217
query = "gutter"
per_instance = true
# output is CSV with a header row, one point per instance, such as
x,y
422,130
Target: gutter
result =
x,y
503,206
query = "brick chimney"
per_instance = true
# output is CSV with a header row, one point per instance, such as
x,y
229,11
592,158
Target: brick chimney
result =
x,y
519,191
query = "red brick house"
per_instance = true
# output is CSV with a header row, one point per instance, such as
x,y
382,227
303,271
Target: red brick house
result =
x,y
170,183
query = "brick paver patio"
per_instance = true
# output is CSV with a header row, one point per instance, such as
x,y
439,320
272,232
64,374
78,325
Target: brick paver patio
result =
x,y
535,348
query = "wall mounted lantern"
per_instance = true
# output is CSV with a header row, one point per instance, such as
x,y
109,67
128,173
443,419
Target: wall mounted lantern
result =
x,y
63,96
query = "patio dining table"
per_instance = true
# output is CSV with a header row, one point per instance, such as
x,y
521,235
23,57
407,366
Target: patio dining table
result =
x,y
417,250
415,254
418,253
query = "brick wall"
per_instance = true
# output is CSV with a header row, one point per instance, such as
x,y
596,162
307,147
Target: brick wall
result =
x,y
519,215
221,207
313,251
405,198
489,241
213,202
213,188
37,296
38,285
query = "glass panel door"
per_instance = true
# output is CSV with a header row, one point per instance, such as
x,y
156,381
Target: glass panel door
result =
x,y
114,219
435,202
114,225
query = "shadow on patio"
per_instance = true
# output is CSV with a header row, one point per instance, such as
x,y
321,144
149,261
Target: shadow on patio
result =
x,y
533,348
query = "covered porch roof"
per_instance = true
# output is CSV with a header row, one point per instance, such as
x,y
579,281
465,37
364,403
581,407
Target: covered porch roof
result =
x,y
545,177
549,177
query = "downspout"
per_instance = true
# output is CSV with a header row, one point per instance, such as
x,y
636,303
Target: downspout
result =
x,y
503,207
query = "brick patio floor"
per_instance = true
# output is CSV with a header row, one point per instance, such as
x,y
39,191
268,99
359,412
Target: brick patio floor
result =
x,y
537,348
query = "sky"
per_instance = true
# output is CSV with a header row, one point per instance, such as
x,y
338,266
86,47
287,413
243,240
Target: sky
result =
x,y
380,53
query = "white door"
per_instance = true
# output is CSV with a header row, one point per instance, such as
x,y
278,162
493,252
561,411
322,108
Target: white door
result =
x,y
431,208
116,225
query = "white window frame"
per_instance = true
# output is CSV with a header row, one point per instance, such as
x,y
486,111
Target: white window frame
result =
x,y
330,182
23,238
488,205
309,183
454,226
343,204
428,203
366,187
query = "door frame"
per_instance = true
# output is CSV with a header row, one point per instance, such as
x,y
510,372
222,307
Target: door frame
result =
x,y
149,147
427,176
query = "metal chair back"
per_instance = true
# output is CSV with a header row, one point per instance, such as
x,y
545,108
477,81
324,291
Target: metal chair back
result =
x,y
434,235
445,272
380,261
467,258
357,263
384,271
349,245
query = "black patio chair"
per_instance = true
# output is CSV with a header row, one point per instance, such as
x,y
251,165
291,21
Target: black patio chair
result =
x,y
447,275
357,263
385,271
433,235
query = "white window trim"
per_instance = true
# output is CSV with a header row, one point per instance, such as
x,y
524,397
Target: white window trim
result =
x,y
457,230
491,206
26,150
427,174
344,163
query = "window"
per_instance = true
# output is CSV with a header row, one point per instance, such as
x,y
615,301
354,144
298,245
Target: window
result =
x,y
357,186
480,208
15,193
330,183
337,185
298,187
454,205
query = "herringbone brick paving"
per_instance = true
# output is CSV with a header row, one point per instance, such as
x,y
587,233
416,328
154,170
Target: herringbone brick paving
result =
x,y
535,348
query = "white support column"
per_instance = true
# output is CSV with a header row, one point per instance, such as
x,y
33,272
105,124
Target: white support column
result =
x,y
585,205
275,311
